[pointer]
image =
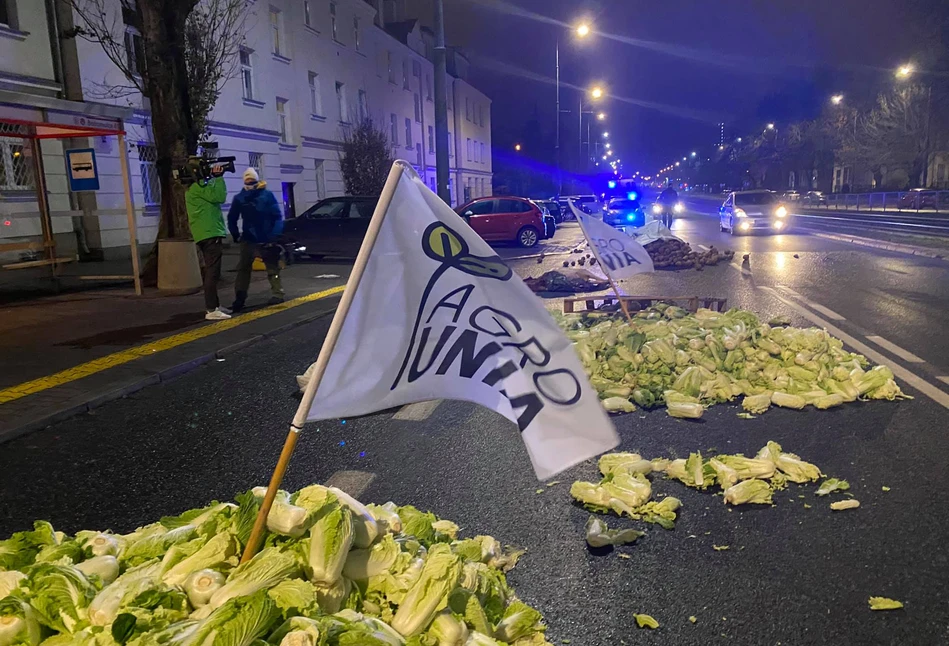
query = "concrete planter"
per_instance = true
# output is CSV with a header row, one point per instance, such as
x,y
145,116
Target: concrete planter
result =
x,y
178,269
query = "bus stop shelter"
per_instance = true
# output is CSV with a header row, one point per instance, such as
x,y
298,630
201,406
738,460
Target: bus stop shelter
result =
x,y
23,121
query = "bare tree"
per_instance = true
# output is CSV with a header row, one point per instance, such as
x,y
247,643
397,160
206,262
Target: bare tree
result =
x,y
187,50
365,159
893,134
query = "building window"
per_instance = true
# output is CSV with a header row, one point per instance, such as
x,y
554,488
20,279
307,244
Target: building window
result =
x,y
418,154
451,146
481,115
307,15
247,73
467,109
394,129
134,50
428,87
275,31
474,151
16,169
333,20
356,33
418,108
390,67
482,154
283,120
256,161
468,148
316,101
417,70
151,187
363,105
320,180
405,74
408,134
431,140
341,102
5,14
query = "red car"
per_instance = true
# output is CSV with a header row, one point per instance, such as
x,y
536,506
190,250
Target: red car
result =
x,y
505,219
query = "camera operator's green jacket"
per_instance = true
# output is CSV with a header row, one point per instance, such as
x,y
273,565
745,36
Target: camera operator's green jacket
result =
x,y
204,209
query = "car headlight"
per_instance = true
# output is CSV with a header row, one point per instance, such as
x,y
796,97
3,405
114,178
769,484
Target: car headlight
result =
x,y
678,208
656,208
739,213
778,224
781,212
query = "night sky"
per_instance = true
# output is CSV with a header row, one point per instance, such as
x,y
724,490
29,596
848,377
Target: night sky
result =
x,y
675,69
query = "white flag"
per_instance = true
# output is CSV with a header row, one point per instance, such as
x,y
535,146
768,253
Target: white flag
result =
x,y
438,315
619,255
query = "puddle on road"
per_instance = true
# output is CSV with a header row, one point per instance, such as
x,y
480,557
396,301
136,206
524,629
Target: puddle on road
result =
x,y
133,335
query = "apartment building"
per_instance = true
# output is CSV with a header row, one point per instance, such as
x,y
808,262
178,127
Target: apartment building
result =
x,y
307,70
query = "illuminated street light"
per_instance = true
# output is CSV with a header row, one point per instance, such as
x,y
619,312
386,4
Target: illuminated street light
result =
x,y
596,92
837,99
606,135
770,126
604,157
694,153
607,144
721,147
905,71
677,163
738,140
583,30
601,116
517,147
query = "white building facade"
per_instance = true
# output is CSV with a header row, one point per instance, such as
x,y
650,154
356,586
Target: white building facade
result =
x,y
308,70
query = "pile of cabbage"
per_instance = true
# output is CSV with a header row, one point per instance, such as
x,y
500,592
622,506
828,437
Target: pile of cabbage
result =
x,y
626,490
332,572
687,361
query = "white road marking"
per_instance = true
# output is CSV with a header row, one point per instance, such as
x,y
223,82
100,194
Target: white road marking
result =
x,y
417,412
911,378
354,483
826,311
905,355
944,380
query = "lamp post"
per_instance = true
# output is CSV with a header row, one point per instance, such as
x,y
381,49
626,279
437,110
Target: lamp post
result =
x,y
905,72
595,93
583,30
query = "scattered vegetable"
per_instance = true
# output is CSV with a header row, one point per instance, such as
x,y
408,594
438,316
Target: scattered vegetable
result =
x,y
599,535
882,603
645,621
844,504
831,485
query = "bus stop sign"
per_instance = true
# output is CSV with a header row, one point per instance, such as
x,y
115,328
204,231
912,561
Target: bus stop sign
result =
x,y
82,169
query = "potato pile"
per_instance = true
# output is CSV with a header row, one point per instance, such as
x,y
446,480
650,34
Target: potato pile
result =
x,y
675,254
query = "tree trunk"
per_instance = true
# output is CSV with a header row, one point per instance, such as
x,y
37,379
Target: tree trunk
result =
x,y
163,27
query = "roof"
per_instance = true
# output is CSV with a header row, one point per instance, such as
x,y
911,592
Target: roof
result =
x,y
401,30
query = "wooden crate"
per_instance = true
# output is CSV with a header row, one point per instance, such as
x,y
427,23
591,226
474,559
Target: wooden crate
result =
x,y
690,303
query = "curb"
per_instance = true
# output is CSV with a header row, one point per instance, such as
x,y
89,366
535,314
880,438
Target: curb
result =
x,y
879,244
166,375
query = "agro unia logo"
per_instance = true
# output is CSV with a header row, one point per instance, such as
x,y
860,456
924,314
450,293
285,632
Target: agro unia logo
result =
x,y
456,332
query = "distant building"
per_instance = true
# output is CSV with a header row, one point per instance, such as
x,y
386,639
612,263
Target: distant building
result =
x,y
308,69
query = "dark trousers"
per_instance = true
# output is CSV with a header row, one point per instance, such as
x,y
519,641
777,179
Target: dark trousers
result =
x,y
270,254
211,250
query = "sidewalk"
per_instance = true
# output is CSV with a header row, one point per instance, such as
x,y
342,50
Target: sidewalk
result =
x,y
65,354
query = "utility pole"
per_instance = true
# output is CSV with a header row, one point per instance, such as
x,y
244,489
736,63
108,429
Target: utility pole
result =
x,y
929,113
580,129
557,136
441,105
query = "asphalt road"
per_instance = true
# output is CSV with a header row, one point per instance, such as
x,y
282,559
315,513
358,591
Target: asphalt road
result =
x,y
792,575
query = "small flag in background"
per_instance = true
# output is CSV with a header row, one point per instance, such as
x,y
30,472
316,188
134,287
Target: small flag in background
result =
x,y
618,254
438,315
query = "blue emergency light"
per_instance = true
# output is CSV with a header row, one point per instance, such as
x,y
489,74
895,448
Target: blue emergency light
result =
x,y
611,184
632,195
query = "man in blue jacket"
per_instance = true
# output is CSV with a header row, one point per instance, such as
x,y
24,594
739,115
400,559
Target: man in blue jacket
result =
x,y
262,222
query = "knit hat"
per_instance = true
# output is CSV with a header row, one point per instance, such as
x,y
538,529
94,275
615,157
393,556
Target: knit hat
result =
x,y
250,175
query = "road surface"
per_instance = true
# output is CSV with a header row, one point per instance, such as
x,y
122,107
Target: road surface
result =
x,y
792,575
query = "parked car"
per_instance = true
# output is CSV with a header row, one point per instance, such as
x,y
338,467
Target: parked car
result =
x,y
553,207
550,222
792,196
505,219
747,211
622,212
335,226
587,203
814,198
919,198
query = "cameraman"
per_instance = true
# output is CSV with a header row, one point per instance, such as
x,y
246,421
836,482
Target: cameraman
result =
x,y
203,200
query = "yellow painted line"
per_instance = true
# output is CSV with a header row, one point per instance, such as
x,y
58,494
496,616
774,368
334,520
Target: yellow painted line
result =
x,y
160,345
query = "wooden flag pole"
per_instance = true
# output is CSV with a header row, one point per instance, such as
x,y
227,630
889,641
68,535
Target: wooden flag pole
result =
x,y
622,303
329,344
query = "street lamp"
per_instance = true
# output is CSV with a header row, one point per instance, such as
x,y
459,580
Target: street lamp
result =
x,y
837,99
606,135
601,116
904,71
517,147
582,31
596,92
677,163
694,153
607,144
770,126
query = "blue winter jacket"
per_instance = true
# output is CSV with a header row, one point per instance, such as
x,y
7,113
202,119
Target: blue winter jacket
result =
x,y
258,209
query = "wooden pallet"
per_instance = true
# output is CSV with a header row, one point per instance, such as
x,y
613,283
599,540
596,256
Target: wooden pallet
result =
x,y
690,303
